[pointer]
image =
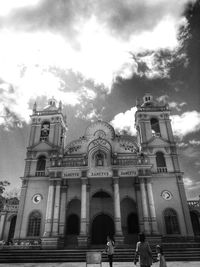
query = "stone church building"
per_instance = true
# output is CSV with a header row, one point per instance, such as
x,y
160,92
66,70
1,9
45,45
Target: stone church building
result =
x,y
77,193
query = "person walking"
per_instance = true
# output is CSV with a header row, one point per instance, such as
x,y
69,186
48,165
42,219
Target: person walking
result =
x,y
144,251
160,256
110,246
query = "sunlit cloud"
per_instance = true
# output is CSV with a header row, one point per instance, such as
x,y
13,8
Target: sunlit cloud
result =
x,y
125,122
186,123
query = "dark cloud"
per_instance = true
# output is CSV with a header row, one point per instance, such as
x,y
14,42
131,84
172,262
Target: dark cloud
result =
x,y
120,18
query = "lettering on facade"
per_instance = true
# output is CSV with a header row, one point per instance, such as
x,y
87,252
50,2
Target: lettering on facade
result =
x,y
71,174
100,174
128,173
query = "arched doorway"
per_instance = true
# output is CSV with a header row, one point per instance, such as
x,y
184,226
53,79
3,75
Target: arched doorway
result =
x,y
102,226
73,225
12,228
195,222
130,221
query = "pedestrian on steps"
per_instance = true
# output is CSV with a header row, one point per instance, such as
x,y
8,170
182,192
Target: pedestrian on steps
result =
x,y
160,256
110,246
144,251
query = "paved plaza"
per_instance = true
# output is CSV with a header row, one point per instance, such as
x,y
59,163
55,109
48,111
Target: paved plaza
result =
x,y
104,264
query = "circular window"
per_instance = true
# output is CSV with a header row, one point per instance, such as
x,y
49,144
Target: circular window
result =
x,y
36,198
166,195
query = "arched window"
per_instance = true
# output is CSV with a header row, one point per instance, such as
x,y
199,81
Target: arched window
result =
x,y
195,222
99,159
73,227
34,224
155,128
41,164
132,223
171,222
160,161
12,228
45,128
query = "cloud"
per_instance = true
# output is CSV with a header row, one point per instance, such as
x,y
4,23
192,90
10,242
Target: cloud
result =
x,y
91,37
125,121
188,182
182,144
186,123
177,106
195,142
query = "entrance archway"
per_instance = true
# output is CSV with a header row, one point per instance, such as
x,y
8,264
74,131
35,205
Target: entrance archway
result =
x,y
195,222
102,226
12,228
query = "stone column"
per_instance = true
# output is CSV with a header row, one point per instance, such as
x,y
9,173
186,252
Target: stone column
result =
x,y
139,206
49,210
82,239
147,228
117,212
56,209
2,224
88,210
152,208
63,210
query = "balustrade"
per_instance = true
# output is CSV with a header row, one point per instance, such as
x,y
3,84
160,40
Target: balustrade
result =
x,y
162,169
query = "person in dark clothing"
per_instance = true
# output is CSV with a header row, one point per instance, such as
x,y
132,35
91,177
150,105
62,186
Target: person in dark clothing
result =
x,y
110,250
144,251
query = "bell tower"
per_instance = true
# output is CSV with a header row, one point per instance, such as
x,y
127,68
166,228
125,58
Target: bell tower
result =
x,y
47,137
46,143
156,140
48,125
155,134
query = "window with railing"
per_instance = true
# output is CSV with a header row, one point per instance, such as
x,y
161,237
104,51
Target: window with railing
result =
x,y
40,168
160,161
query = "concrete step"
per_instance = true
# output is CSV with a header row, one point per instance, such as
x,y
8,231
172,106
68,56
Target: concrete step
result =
x,y
178,252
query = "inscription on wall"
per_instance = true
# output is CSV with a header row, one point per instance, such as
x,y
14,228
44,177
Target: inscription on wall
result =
x,y
100,174
71,174
128,173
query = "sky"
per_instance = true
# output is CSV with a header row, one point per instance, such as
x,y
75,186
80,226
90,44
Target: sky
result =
x,y
98,57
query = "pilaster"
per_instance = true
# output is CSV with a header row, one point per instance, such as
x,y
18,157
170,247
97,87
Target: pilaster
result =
x,y
147,228
117,212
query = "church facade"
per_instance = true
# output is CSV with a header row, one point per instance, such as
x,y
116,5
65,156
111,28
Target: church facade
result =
x,y
77,193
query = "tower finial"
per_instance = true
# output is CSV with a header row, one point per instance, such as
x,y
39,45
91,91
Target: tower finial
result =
x,y
60,106
34,107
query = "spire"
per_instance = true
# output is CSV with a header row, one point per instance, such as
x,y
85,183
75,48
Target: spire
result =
x,y
34,107
60,106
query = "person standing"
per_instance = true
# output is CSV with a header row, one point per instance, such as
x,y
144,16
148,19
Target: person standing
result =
x,y
160,256
110,250
144,251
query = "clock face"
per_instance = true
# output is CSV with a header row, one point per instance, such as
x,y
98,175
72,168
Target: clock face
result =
x,y
166,195
37,198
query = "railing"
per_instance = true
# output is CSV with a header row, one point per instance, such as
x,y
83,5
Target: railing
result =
x,y
73,163
156,134
161,169
194,203
40,173
125,162
44,138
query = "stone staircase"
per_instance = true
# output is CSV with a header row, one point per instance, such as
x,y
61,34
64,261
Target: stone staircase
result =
x,y
173,252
